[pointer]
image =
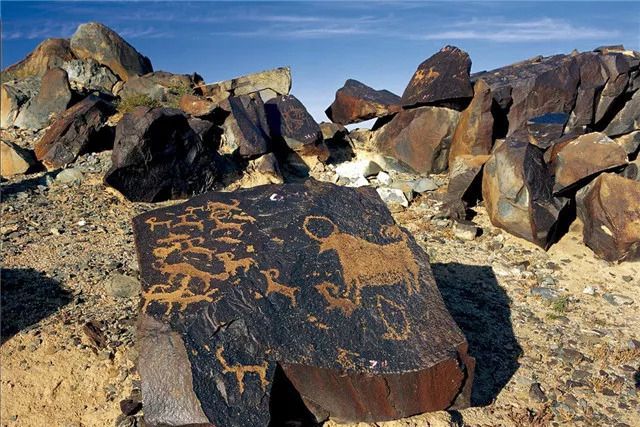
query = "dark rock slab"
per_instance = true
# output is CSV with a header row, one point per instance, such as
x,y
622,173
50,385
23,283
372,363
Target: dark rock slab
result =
x,y
617,68
419,138
517,188
246,129
96,41
80,129
610,211
443,80
627,119
464,187
158,156
356,102
593,77
254,297
54,96
544,130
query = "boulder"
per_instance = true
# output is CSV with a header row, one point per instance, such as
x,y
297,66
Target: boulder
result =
x,y
297,297
593,77
295,130
617,69
196,106
627,119
356,102
89,76
268,84
629,142
261,171
464,185
517,188
333,131
13,96
160,86
474,133
532,88
158,156
419,138
544,130
441,80
51,53
54,96
96,41
80,129
14,160
245,129
206,130
610,211
632,170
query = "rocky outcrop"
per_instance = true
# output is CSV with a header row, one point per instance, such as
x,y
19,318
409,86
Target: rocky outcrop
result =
x,y
356,102
617,68
268,84
629,142
80,129
544,130
474,132
14,160
102,44
243,291
610,211
54,96
627,119
15,95
593,77
89,76
51,53
419,138
160,85
441,80
517,188
245,130
158,156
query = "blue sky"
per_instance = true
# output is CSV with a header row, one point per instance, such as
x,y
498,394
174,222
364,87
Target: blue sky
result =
x,y
379,43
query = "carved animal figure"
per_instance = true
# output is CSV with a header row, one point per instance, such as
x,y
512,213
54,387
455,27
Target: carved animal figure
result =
x,y
241,370
273,285
183,243
228,216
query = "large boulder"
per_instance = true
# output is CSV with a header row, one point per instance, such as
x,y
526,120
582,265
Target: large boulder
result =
x,y
443,80
89,76
617,68
517,188
51,53
419,138
268,84
284,298
627,119
474,133
54,96
593,77
294,130
80,129
158,156
581,158
464,185
356,102
96,41
14,159
245,129
610,211
13,96
160,85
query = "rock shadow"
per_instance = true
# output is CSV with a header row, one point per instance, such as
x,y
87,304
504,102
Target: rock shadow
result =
x,y
26,297
480,307
10,189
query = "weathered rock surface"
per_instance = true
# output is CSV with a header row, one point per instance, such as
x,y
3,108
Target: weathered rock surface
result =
x,y
464,184
419,138
332,131
584,157
294,129
158,156
517,188
629,142
356,102
159,85
80,129
51,53
54,96
627,119
593,77
474,133
261,171
245,292
544,130
196,106
96,41
617,68
14,160
89,76
441,80
246,129
268,84
610,211
13,96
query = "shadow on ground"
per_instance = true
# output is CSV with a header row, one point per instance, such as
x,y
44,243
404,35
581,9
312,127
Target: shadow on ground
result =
x,y
25,185
26,297
481,308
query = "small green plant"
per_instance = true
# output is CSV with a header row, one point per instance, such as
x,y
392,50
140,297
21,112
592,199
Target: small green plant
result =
x,y
175,93
560,304
129,103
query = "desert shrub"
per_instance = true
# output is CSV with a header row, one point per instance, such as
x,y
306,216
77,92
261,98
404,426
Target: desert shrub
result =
x,y
128,103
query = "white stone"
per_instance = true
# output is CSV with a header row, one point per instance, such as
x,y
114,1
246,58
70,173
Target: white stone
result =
x,y
393,196
384,178
357,168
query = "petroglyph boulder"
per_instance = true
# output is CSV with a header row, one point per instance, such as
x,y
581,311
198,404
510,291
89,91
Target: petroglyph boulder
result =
x,y
254,297
356,102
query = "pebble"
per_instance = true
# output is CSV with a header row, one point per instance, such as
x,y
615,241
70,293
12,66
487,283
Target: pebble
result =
x,y
358,168
122,286
589,290
544,293
69,176
384,178
536,393
617,299
393,196
465,231
424,184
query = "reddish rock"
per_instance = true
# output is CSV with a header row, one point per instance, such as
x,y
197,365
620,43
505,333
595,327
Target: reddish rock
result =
x,y
196,106
51,53
53,97
14,160
610,211
474,133
356,102
419,138
442,80
80,129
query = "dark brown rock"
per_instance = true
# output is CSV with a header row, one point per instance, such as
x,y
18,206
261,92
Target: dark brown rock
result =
x,y
442,80
419,138
51,53
593,77
464,184
610,211
356,102
310,285
158,156
544,130
583,157
627,119
517,188
617,69
96,41
245,129
54,96
80,129
474,133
